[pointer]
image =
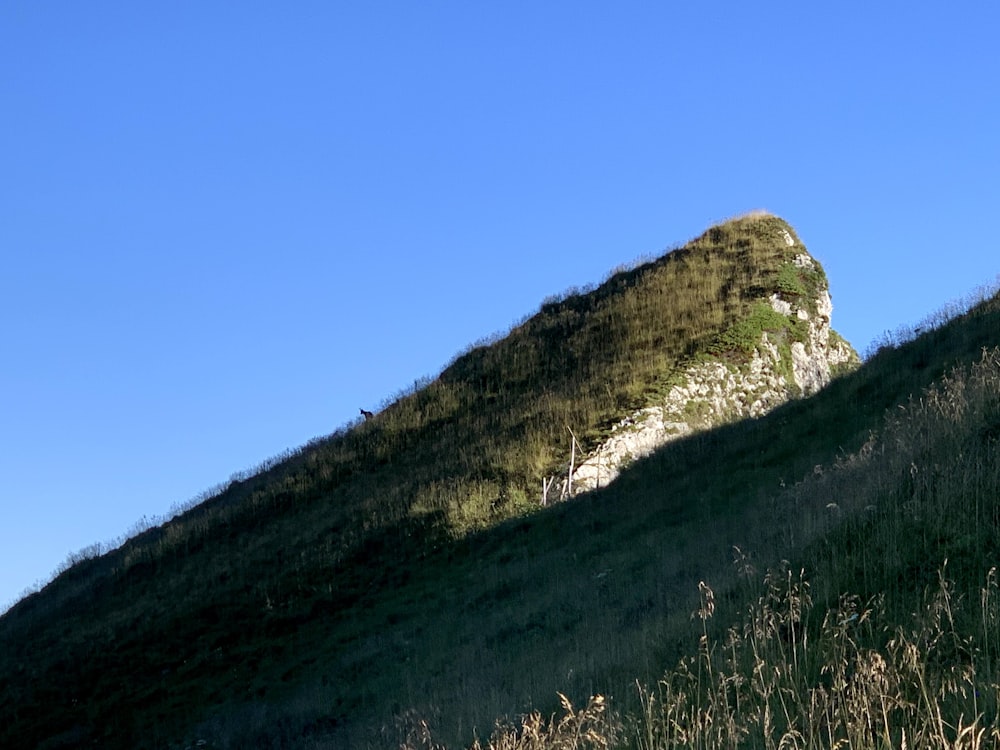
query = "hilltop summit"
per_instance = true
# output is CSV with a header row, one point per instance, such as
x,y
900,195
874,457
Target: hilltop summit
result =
x,y
730,325
784,348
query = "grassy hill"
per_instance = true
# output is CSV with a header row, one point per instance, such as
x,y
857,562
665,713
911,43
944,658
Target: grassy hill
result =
x,y
399,575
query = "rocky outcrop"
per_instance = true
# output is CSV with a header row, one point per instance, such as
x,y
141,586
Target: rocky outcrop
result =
x,y
794,359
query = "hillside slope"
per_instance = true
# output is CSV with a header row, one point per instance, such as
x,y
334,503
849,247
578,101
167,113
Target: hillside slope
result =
x,y
377,569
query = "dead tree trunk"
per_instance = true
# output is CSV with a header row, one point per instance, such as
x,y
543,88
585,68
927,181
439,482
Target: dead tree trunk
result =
x,y
546,486
568,488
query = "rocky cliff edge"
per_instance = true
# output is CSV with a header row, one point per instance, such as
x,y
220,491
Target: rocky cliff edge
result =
x,y
796,355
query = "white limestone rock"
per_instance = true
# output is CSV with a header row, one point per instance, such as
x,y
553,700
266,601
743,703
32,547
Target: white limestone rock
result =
x,y
713,392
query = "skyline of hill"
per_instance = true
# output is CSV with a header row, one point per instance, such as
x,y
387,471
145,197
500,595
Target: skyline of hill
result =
x,y
379,566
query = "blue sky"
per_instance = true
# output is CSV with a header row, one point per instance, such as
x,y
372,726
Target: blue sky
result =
x,y
225,227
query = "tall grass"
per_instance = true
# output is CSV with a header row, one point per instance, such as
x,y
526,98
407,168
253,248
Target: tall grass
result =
x,y
857,679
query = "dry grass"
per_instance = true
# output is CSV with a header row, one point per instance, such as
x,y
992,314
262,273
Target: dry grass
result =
x,y
855,682
591,727
774,683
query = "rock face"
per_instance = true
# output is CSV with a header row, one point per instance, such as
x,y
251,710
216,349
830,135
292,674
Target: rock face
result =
x,y
796,360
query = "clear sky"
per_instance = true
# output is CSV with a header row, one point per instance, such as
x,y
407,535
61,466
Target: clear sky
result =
x,y
227,226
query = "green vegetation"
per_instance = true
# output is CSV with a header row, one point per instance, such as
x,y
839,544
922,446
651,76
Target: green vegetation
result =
x,y
397,584
744,335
